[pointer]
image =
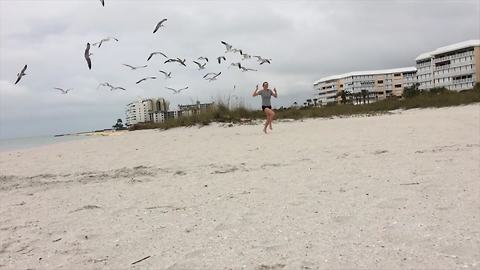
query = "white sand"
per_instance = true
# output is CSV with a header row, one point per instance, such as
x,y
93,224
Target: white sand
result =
x,y
399,191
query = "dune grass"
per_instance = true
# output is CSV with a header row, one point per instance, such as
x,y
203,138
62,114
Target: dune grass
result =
x,y
239,113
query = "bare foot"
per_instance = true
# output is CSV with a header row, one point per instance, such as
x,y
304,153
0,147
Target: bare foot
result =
x,y
265,129
270,127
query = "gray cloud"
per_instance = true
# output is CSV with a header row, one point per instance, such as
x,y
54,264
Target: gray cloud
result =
x,y
306,40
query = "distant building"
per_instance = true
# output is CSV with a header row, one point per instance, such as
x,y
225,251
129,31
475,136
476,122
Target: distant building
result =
x,y
192,109
156,110
455,67
145,110
378,84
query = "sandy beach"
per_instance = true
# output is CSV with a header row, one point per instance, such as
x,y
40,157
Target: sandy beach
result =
x,y
394,191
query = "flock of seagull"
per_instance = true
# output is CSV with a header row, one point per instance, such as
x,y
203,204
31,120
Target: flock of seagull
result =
x,y
201,62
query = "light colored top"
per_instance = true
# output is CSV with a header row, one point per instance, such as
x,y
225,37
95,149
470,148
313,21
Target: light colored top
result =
x,y
266,97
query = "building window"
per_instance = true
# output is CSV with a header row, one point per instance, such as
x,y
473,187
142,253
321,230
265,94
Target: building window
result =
x,y
398,85
380,81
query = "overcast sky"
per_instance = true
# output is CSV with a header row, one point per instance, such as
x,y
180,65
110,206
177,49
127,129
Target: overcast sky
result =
x,y
307,40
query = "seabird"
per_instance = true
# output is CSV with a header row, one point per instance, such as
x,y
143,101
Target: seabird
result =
x,y
155,53
62,90
208,74
21,74
147,78
159,25
103,2
178,60
244,69
263,61
213,78
87,56
219,59
118,87
167,75
176,91
227,46
239,65
104,40
134,68
104,84
203,58
200,66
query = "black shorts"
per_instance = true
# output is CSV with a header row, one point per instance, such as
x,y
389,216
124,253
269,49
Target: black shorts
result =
x,y
263,107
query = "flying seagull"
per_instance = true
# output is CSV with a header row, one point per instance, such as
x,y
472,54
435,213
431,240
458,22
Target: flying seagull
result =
x,y
147,78
227,46
177,91
213,78
244,69
63,90
159,24
21,74
118,87
135,68
203,58
105,84
208,74
155,53
178,60
239,65
87,56
263,61
200,66
167,75
219,59
103,2
104,40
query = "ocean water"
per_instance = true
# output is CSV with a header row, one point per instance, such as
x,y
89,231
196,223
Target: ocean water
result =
x,y
30,142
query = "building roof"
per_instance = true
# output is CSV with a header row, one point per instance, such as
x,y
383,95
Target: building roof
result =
x,y
367,72
449,48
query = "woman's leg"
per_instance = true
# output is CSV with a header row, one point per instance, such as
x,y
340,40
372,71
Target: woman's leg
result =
x,y
266,120
272,116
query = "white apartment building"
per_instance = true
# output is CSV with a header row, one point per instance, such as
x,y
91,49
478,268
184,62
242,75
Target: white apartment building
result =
x,y
379,84
455,67
156,110
145,110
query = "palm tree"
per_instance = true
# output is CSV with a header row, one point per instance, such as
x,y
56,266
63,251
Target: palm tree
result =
x,y
315,102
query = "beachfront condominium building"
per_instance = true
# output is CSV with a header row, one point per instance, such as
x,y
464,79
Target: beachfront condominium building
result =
x,y
455,67
156,110
146,110
374,84
191,109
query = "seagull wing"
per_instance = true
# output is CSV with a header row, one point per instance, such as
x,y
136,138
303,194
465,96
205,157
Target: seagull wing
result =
x,y
199,65
87,56
103,2
132,67
208,74
165,73
151,55
141,80
159,24
23,69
